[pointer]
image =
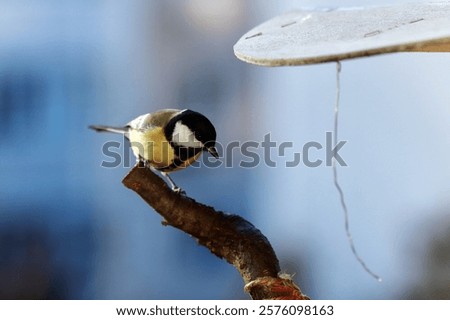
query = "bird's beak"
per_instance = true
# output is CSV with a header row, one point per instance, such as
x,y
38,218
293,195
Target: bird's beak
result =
x,y
213,152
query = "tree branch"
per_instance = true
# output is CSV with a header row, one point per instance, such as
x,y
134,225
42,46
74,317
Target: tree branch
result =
x,y
227,236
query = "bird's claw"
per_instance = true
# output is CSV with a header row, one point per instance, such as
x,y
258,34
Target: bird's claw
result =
x,y
147,164
179,191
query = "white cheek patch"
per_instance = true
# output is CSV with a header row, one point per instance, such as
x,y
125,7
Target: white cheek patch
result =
x,y
183,136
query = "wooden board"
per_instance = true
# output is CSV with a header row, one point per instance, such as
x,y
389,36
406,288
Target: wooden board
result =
x,y
315,36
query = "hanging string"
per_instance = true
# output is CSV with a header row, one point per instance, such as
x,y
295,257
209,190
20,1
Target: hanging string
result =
x,y
335,177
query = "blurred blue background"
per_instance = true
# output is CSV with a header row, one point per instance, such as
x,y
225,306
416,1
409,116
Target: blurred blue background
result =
x,y
70,230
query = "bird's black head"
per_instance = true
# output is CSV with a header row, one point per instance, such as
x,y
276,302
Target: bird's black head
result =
x,y
192,131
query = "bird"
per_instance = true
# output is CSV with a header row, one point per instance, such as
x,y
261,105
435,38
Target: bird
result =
x,y
168,140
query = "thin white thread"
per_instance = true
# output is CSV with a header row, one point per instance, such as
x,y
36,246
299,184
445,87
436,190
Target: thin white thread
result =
x,y
335,177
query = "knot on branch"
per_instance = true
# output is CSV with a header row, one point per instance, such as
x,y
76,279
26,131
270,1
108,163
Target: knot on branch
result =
x,y
275,288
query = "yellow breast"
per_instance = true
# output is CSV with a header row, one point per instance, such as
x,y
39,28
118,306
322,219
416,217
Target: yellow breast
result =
x,y
152,145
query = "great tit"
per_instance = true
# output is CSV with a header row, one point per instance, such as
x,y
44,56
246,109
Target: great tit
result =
x,y
169,139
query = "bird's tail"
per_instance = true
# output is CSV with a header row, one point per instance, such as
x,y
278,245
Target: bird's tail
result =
x,y
121,130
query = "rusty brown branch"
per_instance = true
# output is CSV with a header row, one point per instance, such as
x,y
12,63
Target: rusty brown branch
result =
x,y
227,236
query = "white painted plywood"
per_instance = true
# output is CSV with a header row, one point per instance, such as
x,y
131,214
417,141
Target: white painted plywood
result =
x,y
315,36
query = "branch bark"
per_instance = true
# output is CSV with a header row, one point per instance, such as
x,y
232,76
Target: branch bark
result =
x,y
227,236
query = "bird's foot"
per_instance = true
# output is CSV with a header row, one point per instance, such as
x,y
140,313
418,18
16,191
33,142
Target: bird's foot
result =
x,y
179,191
